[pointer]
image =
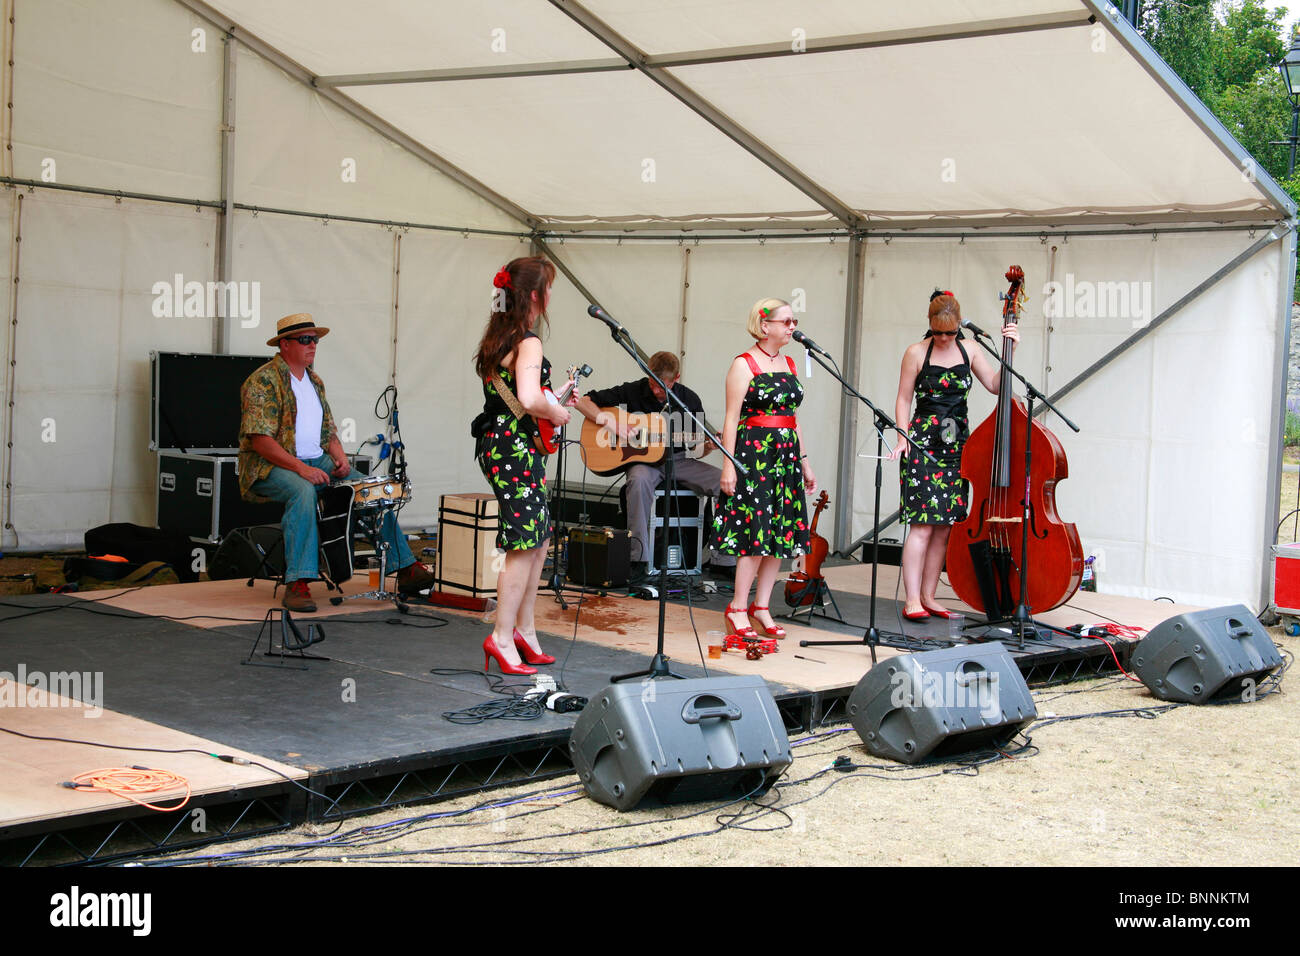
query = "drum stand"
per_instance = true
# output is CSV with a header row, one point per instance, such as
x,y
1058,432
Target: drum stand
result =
x,y
372,526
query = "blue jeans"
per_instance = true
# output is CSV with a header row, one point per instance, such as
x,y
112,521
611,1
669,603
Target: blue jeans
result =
x,y
301,541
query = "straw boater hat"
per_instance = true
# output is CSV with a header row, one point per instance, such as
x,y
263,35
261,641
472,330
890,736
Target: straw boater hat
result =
x,y
296,324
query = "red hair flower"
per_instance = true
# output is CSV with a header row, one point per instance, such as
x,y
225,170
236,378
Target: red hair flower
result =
x,y
502,279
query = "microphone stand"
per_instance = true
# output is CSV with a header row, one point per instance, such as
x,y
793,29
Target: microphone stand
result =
x,y
555,583
659,667
1020,618
880,421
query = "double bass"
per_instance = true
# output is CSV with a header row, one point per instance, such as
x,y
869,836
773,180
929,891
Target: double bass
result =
x,y
985,558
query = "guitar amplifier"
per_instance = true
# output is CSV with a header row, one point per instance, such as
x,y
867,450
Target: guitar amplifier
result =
x,y
599,557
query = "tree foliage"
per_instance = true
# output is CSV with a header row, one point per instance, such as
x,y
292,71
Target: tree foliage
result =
x,y
1227,53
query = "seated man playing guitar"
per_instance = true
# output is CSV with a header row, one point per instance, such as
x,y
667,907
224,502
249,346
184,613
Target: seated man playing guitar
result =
x,y
624,448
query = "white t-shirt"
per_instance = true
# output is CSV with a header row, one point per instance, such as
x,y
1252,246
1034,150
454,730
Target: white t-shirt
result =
x,y
307,425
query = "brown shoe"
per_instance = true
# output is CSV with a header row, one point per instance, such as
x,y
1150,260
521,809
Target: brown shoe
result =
x,y
297,597
414,578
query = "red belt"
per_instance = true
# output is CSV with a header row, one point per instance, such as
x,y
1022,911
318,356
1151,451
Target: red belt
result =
x,y
770,421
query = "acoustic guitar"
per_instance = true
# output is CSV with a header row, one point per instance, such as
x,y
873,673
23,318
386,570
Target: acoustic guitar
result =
x,y
647,439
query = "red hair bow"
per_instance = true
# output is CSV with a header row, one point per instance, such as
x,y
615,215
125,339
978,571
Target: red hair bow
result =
x,y
502,279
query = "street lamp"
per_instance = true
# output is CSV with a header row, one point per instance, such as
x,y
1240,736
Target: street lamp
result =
x,y
1289,67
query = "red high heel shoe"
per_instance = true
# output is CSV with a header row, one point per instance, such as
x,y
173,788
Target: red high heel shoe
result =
x,y
527,654
776,630
490,650
941,613
746,631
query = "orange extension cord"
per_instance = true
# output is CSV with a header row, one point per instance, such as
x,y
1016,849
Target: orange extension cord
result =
x,y
129,781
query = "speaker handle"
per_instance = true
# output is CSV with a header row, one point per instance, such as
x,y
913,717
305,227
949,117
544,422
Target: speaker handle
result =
x,y
1237,629
977,674
724,708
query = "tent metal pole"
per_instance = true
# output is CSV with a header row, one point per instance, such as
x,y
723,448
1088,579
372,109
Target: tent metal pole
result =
x,y
226,220
1277,424
454,74
541,248
1199,113
707,111
359,112
32,184
846,464
677,232
1273,236
811,45
390,223
11,368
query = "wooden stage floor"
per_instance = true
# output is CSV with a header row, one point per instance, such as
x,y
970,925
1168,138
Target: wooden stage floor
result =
x,y
169,664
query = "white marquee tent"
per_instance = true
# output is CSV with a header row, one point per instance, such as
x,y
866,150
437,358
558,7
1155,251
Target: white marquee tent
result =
x,y
375,164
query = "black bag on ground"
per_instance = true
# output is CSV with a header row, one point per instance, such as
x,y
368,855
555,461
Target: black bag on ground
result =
x,y
141,545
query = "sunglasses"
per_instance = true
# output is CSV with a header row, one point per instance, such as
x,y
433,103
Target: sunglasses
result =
x,y
788,323
933,332
304,339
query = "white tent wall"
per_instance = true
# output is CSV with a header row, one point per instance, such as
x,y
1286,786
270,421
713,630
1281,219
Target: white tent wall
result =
x,y
116,95
640,285
445,295
86,324
342,273
1164,475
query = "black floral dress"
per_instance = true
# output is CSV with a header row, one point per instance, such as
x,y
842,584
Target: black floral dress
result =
x,y
767,515
937,494
514,468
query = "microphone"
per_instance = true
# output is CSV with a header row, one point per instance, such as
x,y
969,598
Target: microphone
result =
x,y
596,312
968,324
809,343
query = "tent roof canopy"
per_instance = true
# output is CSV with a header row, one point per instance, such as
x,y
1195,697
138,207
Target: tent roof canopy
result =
x,y
726,114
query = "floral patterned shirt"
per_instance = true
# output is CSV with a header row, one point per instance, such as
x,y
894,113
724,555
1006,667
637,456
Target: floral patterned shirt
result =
x,y
267,407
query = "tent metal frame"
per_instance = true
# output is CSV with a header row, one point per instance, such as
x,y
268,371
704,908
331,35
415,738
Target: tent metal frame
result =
x,y
857,224
758,51
226,221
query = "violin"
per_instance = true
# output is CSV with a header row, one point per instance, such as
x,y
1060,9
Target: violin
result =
x,y
800,587
985,558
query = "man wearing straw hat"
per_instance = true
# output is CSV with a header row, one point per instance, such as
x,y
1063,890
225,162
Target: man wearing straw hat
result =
x,y
288,449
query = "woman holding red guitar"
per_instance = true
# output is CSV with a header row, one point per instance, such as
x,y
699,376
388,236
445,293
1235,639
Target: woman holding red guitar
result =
x,y
939,374
510,364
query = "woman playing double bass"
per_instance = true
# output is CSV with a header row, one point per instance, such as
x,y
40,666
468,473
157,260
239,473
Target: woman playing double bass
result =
x,y
938,373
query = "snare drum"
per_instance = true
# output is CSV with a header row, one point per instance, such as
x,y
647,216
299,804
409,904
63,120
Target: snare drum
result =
x,y
378,491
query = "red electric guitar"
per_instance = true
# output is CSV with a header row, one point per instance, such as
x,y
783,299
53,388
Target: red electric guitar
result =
x,y
545,440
